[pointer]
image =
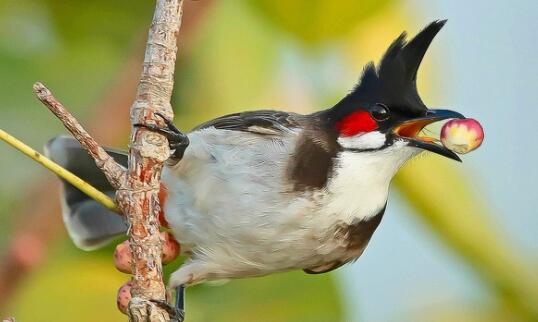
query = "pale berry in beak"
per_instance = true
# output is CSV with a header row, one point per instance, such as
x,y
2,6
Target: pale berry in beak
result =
x,y
124,297
462,135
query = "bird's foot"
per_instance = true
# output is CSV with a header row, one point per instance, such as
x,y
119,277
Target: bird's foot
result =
x,y
176,314
177,140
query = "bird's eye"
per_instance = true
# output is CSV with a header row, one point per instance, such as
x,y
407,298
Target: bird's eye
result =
x,y
380,112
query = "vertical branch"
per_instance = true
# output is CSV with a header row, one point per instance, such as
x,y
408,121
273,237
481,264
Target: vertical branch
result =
x,y
138,197
42,227
138,186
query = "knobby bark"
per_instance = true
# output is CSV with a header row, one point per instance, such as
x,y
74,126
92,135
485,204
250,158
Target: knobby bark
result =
x,y
37,229
138,185
148,150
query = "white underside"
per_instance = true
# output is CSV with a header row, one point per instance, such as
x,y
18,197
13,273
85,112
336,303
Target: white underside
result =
x,y
231,207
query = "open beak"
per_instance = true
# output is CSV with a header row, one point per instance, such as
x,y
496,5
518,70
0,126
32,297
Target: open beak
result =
x,y
409,130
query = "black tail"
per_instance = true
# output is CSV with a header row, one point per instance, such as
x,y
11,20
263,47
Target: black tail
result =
x,y
89,224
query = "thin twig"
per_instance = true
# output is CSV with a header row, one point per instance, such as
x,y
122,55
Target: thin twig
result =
x,y
43,227
60,171
114,172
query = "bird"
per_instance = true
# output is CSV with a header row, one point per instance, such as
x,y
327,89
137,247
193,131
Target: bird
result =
x,y
264,191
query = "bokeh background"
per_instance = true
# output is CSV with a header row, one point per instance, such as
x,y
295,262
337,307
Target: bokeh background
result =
x,y
458,242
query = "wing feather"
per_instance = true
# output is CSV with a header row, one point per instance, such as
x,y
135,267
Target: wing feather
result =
x,y
263,122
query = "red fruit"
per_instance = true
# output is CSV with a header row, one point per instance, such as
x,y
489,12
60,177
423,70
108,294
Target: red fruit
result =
x,y
124,296
462,135
171,248
122,257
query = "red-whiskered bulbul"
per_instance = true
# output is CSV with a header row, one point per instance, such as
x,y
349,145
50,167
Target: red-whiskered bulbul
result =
x,y
253,193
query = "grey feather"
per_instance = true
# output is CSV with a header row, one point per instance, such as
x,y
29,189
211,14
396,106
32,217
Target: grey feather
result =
x,y
89,224
265,122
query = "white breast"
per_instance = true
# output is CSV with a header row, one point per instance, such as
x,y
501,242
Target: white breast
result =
x,y
360,185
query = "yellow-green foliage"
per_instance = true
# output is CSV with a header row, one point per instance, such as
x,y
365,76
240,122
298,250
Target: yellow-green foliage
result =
x,y
448,201
233,62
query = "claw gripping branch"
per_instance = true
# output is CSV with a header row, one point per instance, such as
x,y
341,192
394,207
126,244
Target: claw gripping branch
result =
x,y
138,186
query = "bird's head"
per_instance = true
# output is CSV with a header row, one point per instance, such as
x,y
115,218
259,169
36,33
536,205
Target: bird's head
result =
x,y
385,107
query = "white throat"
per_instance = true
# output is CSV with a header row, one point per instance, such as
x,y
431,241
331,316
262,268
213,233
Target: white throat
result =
x,y
360,184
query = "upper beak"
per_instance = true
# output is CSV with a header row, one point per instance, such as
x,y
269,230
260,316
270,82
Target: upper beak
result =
x,y
410,129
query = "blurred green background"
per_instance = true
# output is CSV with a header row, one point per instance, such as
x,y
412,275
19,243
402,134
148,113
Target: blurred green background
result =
x,y
458,242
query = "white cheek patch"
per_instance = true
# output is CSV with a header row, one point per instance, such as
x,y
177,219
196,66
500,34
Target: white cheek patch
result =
x,y
365,141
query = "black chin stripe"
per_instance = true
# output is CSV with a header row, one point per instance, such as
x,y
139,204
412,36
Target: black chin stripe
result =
x,y
362,150
384,146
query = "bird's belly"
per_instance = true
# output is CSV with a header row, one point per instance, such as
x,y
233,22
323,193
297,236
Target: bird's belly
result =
x,y
295,235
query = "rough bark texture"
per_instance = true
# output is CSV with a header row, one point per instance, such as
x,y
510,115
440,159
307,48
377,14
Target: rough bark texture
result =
x,y
138,186
138,197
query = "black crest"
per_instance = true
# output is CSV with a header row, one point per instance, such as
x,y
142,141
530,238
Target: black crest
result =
x,y
393,82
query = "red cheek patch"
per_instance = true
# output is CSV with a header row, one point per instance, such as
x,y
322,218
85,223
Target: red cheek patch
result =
x,y
356,122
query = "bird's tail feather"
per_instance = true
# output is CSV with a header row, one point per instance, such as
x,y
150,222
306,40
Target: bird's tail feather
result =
x,y
89,224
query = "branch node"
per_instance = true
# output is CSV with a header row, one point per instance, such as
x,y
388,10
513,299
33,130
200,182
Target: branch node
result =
x,y
141,310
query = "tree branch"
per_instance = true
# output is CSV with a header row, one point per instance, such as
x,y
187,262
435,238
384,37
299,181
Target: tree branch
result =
x,y
138,186
114,172
148,150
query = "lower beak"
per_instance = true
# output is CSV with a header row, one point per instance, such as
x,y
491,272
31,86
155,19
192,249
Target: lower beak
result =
x,y
410,129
